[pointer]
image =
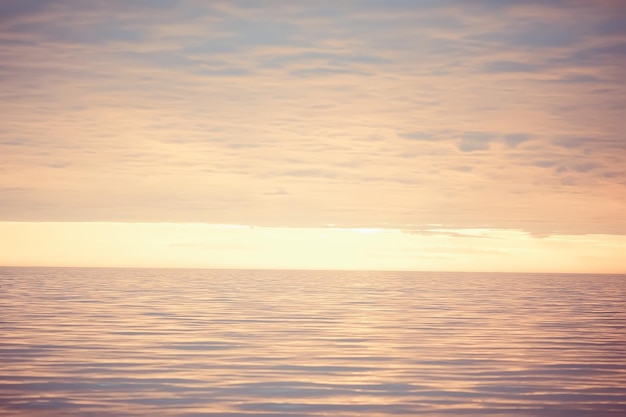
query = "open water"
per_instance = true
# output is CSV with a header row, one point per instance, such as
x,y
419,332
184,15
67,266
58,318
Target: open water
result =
x,y
126,342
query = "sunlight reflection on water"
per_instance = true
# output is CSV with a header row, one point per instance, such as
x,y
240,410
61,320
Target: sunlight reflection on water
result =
x,y
112,342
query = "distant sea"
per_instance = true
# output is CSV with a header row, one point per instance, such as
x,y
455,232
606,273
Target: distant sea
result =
x,y
159,342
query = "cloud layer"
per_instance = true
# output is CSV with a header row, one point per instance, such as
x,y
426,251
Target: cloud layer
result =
x,y
394,114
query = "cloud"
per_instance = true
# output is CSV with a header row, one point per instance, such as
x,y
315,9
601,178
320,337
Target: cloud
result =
x,y
514,139
419,136
509,66
475,141
586,167
537,34
611,54
544,163
371,114
573,142
14,10
324,72
578,79
330,59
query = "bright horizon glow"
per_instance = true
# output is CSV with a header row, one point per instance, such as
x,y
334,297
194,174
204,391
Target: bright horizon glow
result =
x,y
171,245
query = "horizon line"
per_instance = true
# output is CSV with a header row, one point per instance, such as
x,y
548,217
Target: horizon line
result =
x,y
309,269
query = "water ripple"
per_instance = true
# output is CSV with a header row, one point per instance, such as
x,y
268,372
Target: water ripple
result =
x,y
110,342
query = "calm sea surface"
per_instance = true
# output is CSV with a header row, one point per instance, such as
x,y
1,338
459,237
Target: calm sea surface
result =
x,y
123,342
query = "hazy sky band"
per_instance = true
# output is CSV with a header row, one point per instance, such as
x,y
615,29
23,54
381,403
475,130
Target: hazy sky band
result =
x,y
200,245
406,115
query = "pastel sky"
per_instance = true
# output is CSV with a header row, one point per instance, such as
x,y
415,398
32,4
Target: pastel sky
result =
x,y
377,134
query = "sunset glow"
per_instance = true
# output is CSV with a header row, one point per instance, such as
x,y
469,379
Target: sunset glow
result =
x,y
174,245
384,135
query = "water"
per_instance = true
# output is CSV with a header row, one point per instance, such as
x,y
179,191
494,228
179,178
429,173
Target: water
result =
x,y
124,342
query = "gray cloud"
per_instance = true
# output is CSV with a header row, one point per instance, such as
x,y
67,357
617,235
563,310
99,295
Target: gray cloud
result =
x,y
509,66
535,34
579,79
475,141
330,59
573,142
13,10
325,71
544,163
589,166
514,139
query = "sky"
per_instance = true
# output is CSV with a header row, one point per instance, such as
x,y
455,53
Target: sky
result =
x,y
349,134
